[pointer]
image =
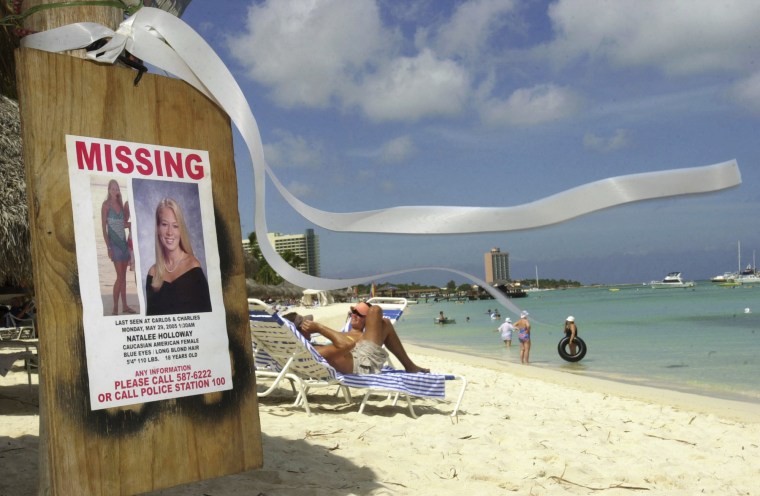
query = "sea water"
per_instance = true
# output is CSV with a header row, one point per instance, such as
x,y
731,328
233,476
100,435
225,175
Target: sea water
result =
x,y
703,340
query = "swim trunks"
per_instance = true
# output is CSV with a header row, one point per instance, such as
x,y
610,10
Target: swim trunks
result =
x,y
368,357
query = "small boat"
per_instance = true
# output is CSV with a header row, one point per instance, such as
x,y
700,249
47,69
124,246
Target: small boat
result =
x,y
725,277
446,320
672,280
729,284
748,276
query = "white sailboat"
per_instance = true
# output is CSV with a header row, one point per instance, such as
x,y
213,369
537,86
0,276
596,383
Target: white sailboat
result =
x,y
537,287
749,274
731,278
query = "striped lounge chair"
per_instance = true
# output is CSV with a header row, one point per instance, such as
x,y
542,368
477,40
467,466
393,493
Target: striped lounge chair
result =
x,y
283,353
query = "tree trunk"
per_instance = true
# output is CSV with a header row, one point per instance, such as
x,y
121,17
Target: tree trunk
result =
x,y
60,16
43,21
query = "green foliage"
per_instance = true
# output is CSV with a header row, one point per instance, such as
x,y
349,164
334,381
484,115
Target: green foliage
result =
x,y
257,267
452,286
550,283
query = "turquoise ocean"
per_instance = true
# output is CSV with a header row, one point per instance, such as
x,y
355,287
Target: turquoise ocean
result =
x,y
703,340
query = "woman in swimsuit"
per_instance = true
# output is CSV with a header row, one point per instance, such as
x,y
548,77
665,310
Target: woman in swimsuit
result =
x,y
571,331
523,329
176,282
113,220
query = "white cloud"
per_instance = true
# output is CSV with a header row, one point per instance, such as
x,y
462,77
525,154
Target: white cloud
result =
x,y
307,51
531,106
337,52
617,141
411,88
397,150
470,27
300,189
683,37
746,93
293,151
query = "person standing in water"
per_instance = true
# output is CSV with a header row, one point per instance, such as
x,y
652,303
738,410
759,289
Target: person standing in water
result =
x,y
506,332
523,335
571,331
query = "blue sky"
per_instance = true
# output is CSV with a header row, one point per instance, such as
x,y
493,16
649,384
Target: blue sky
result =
x,y
370,104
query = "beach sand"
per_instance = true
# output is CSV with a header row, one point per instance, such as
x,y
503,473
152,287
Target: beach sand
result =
x,y
521,430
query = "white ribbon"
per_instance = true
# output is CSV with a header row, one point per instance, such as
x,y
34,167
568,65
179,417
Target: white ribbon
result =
x,y
167,43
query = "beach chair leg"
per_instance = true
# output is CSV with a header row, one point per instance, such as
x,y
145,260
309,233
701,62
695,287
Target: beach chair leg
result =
x,y
303,390
28,364
277,377
292,386
461,394
411,407
408,402
346,394
364,401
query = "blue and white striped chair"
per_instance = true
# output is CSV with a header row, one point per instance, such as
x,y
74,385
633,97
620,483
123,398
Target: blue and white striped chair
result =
x,y
283,353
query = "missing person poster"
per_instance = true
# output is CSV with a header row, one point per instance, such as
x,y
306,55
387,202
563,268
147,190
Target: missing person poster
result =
x,y
149,276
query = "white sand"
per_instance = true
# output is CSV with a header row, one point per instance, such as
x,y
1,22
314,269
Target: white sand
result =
x,y
521,430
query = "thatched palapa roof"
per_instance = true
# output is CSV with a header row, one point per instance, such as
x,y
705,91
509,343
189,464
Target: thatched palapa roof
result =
x,y
15,243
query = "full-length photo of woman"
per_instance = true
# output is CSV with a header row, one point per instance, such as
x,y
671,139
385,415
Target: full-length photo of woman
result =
x,y
114,219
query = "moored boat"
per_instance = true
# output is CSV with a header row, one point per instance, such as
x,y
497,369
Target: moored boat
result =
x,y
748,276
729,284
672,280
725,277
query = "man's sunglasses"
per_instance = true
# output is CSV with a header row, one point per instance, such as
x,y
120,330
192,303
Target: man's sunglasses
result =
x,y
353,311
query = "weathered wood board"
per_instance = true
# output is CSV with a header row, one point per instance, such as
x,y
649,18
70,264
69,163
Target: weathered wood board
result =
x,y
156,444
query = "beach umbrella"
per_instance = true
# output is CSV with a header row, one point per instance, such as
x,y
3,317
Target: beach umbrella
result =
x,y
254,289
257,290
15,241
290,290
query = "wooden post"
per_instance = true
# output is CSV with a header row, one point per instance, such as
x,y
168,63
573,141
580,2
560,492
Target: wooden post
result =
x,y
161,443
61,16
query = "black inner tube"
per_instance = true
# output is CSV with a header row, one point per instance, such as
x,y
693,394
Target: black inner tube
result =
x,y
563,348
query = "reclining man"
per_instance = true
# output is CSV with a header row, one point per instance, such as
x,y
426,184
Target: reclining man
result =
x,y
360,349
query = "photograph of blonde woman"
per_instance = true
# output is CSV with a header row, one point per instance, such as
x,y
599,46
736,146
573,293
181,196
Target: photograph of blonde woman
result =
x,y
118,292
171,247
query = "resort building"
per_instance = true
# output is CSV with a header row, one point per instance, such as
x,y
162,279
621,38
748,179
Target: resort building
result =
x,y
305,246
496,266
